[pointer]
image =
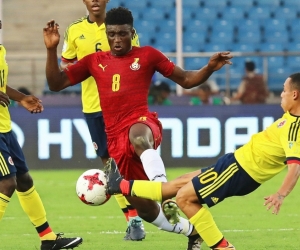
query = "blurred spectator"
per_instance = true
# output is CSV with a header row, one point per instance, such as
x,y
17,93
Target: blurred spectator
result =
x,y
253,88
214,88
205,96
159,94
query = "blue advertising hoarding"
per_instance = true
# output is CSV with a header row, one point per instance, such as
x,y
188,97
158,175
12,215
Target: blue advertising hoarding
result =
x,y
192,136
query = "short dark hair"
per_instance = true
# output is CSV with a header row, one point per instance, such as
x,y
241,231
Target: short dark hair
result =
x,y
119,16
295,80
250,66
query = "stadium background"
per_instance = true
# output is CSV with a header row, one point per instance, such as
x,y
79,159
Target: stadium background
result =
x,y
266,31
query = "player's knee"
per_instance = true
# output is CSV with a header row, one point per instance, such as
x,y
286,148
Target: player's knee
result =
x,y
24,182
140,143
181,199
8,186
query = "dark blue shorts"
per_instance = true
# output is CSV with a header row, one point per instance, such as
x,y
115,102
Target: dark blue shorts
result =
x,y
224,179
12,160
97,131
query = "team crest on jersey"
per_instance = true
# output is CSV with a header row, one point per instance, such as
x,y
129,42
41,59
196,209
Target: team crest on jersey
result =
x,y
135,65
280,124
95,145
10,161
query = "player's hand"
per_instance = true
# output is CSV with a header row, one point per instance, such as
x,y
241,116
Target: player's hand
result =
x,y
32,104
51,35
4,99
275,201
218,60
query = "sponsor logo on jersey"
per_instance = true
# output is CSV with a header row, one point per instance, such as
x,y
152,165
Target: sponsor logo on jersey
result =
x,y
102,67
280,124
135,65
143,118
215,199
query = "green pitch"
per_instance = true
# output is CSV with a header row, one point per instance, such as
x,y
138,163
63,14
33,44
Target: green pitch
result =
x,y
243,220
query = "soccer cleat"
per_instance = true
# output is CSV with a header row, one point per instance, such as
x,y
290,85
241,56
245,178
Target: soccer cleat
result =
x,y
228,247
113,177
194,242
127,235
61,243
136,230
171,211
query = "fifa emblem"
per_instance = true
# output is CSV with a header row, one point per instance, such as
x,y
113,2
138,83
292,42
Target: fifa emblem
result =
x,y
135,65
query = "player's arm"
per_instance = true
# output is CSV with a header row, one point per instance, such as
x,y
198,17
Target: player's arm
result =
x,y
57,79
189,79
29,102
289,182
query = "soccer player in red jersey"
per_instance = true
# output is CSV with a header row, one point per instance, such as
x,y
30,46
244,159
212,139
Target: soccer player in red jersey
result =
x,y
123,76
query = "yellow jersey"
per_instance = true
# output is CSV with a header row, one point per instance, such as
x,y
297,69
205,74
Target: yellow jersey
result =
x,y
82,38
269,152
5,121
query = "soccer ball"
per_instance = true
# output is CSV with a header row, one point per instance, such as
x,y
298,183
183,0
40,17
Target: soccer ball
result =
x,y
90,187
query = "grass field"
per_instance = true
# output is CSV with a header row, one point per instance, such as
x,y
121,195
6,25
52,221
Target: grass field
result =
x,y
243,220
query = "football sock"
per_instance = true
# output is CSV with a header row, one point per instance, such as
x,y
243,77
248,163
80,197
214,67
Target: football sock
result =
x,y
206,227
29,200
222,243
125,187
121,200
4,200
147,189
153,165
182,227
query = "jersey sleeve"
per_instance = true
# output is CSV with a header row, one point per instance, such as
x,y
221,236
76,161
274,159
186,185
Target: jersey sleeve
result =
x,y
79,71
69,53
162,63
290,141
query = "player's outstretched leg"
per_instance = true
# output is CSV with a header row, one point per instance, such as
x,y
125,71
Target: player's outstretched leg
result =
x,y
61,243
135,230
171,211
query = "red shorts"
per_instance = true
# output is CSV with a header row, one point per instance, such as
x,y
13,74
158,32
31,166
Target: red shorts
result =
x,y
120,148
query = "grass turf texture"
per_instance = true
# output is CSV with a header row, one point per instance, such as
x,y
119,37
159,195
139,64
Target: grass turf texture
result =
x,y
243,220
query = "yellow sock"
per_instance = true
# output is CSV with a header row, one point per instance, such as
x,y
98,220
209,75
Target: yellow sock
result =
x,y
34,208
206,227
147,189
4,200
121,200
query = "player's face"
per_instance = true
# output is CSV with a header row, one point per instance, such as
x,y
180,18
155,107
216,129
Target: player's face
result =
x,y
119,38
288,96
95,7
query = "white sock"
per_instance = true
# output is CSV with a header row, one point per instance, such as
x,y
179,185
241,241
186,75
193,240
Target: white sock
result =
x,y
153,165
182,227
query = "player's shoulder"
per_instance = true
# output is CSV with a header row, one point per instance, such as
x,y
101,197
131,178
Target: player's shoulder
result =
x,y
79,21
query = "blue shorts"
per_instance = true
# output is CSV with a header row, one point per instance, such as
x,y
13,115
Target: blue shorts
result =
x,y
12,160
96,127
224,179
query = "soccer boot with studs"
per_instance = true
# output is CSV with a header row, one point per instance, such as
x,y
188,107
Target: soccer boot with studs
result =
x,y
61,243
113,177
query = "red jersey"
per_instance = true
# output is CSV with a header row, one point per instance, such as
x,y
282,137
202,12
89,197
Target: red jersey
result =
x,y
123,82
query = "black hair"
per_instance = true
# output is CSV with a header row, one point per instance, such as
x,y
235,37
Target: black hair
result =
x,y
205,87
250,66
295,80
119,16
